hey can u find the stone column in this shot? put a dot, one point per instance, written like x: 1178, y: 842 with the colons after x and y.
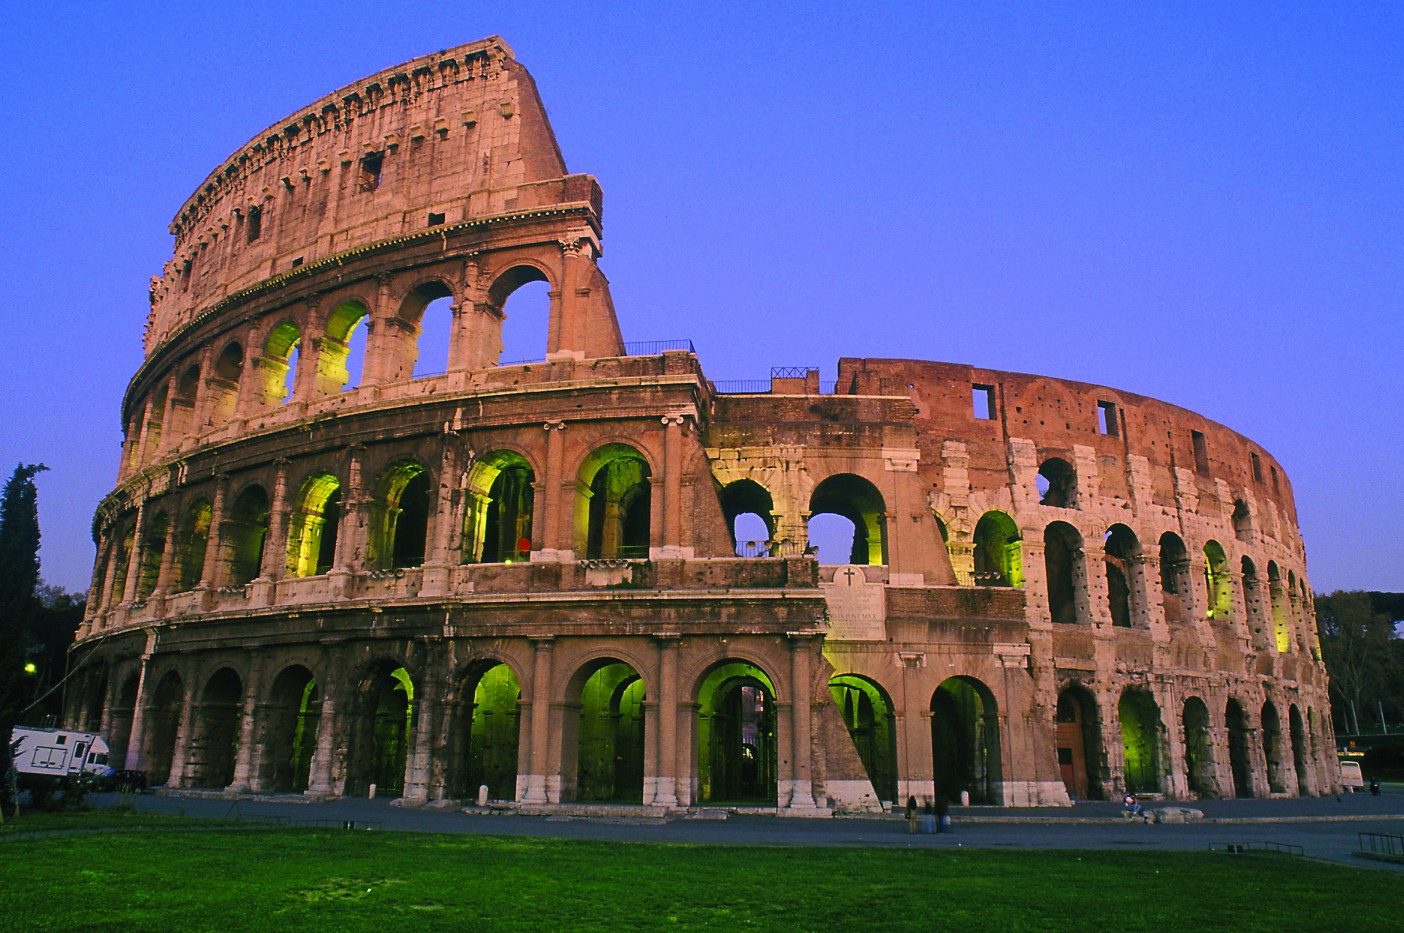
x: 244, y: 755
x: 319, y: 771
x: 185, y: 733
x: 438, y: 565
x: 417, y: 761
x: 136, y: 738
x: 134, y: 555
x: 275, y: 541
x: 801, y: 789
x: 555, y: 517
x: 670, y: 542
x: 351, y: 532
x: 114, y: 546
x: 214, y: 541
x: 665, y: 777
x: 168, y: 552
x: 536, y: 777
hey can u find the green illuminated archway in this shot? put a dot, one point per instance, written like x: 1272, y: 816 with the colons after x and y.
x: 1140, y: 741
x: 610, y: 734
x: 313, y: 527
x: 497, y: 519
x: 290, y: 730
x: 382, y: 731
x: 614, y: 509
x: 867, y: 712
x: 1239, y: 763
x: 965, y: 741
x: 493, y: 736
x: 1216, y: 581
x: 1199, y: 749
x: 400, y: 516
x: 736, y: 740
x: 999, y: 559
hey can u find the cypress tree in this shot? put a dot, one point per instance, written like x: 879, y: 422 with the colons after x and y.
x: 19, y: 583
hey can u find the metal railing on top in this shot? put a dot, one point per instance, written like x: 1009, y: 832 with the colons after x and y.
x: 650, y: 347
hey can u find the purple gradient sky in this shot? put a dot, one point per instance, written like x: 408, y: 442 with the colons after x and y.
x: 1201, y: 203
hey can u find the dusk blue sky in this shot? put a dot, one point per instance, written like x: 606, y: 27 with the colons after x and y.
x: 1203, y: 203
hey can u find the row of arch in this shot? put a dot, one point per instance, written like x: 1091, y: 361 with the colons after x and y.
x: 496, y: 497
x: 998, y: 561
x: 304, y: 355
x: 193, y: 739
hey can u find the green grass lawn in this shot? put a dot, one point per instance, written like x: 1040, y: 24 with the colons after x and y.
x: 161, y: 874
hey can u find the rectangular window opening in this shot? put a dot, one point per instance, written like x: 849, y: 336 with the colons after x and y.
x: 1201, y: 453
x: 1274, y: 478
x: 1106, y: 418
x: 254, y: 223
x: 982, y: 400
x: 297, y: 262
x: 371, y: 164
x: 435, y: 219
x: 1257, y: 467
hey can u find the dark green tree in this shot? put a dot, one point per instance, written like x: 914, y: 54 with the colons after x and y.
x: 19, y: 583
x: 1360, y: 650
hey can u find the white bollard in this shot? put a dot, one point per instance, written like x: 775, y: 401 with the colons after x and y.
x: 965, y: 798
x: 371, y: 794
x: 482, y: 795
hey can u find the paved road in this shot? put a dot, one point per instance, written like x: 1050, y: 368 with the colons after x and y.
x: 1324, y: 828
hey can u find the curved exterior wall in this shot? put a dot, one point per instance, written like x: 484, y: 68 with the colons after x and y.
x: 368, y: 575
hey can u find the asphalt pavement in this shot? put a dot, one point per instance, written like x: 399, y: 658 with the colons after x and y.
x: 1322, y: 827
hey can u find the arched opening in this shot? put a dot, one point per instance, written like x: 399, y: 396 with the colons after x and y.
x: 868, y: 713
x: 1252, y: 599
x: 1242, y: 522
x: 210, y: 758
x: 382, y: 730
x: 342, y: 349
x: 435, y: 330
x: 1293, y: 611
x: 1199, y: 749
x: 609, y: 734
x: 401, y: 516
x: 1300, y: 752
x: 1216, y: 581
x: 153, y: 546
x: 245, y: 532
x: 91, y: 694
x: 223, y: 385
x: 183, y: 403
x: 523, y: 297
x: 119, y: 720
x: 1272, y: 748
x: 999, y: 558
x: 193, y: 541
x: 1277, y: 597
x: 1175, y: 586
x: 156, y: 416
x: 965, y: 741
x: 1140, y: 741
x: 1078, y: 737
x: 497, y: 519
x: 1119, y: 555
x: 856, y: 500
x: 290, y: 731
x: 279, y: 363
x: 1239, y: 762
x: 493, y: 734
x: 312, y: 526
x: 749, y: 512
x: 613, y: 510
x: 736, y: 740
x: 163, y: 725
x: 1057, y: 484
x: 1063, y: 566
x: 122, y: 540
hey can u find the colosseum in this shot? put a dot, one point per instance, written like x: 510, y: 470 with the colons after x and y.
x: 595, y: 577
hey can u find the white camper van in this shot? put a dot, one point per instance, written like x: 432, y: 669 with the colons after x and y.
x: 52, y: 756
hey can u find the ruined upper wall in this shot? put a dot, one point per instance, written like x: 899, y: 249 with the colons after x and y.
x: 1060, y: 414
x: 446, y: 138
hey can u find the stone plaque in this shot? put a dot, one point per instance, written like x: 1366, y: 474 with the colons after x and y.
x: 857, y: 608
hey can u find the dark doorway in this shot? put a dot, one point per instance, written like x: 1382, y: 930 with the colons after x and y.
x: 965, y: 741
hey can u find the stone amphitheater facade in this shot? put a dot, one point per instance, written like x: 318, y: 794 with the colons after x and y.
x: 528, y: 576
